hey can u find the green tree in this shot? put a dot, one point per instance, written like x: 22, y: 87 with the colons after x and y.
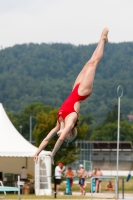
x: 31, y: 110
x: 112, y: 116
x: 15, y: 119
x: 126, y: 131
x: 87, y: 120
x: 108, y: 130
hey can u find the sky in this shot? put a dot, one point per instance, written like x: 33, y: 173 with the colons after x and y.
x: 64, y: 21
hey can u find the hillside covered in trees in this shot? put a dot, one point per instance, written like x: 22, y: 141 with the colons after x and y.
x: 45, y: 73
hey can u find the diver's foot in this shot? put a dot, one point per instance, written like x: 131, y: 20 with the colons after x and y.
x: 104, y: 35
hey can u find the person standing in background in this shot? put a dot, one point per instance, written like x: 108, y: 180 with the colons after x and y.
x: 58, y: 174
x: 96, y: 179
x: 81, y: 175
x: 23, y: 174
x: 99, y: 173
x: 70, y: 174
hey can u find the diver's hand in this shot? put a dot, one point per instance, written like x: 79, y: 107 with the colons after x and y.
x: 36, y: 158
x: 52, y: 160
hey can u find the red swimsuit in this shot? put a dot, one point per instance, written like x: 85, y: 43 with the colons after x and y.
x: 68, y: 105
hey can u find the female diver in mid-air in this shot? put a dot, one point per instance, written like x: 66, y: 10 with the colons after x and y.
x: 68, y: 113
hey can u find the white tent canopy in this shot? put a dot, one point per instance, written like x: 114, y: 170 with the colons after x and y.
x: 12, y: 143
x: 16, y: 151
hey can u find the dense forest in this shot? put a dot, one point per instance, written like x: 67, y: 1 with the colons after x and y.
x: 45, y: 73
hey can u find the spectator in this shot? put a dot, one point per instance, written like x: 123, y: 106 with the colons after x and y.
x: 99, y: 173
x: 96, y: 179
x: 23, y: 174
x: 70, y: 174
x: 81, y: 175
x: 58, y: 174
x: 109, y: 186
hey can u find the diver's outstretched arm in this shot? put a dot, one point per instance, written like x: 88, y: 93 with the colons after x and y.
x: 44, y: 143
x: 59, y: 142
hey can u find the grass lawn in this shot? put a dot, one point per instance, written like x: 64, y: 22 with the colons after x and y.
x: 127, y: 185
x: 31, y: 196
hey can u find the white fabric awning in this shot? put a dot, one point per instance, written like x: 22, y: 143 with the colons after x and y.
x: 12, y: 143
